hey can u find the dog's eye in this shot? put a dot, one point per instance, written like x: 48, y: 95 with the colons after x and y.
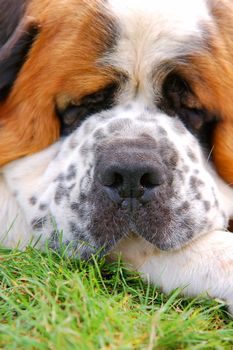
x: 75, y: 113
x: 179, y: 99
x: 177, y: 94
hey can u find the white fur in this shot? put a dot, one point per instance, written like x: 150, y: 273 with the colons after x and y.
x: 13, y: 227
x: 203, y: 266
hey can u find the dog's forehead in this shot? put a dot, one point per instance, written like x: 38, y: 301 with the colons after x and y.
x: 155, y: 32
x: 180, y: 15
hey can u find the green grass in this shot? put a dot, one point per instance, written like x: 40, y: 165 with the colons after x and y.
x: 51, y: 302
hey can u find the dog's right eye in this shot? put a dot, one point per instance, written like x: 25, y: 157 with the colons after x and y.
x: 75, y: 113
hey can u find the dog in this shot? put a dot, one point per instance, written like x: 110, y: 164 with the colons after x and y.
x: 138, y: 94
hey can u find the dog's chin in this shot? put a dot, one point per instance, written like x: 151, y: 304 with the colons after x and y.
x: 162, y: 240
x: 156, y: 239
x: 164, y: 236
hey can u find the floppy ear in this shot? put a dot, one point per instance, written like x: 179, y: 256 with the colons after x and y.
x: 18, y: 36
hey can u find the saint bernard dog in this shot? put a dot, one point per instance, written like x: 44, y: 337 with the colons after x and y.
x: 135, y: 99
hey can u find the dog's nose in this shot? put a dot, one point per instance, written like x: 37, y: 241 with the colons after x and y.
x: 130, y: 174
x: 131, y: 180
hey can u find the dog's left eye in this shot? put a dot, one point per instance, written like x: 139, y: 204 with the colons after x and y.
x: 179, y: 99
x: 177, y: 95
x: 75, y: 113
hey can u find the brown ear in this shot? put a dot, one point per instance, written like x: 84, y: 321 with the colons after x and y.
x: 16, y: 38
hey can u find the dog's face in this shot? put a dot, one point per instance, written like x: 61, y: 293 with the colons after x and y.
x: 135, y: 99
x: 62, y: 55
x: 130, y: 169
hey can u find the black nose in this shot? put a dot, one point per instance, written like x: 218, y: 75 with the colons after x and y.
x: 130, y: 173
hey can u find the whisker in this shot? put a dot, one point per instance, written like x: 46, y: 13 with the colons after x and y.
x: 210, y: 154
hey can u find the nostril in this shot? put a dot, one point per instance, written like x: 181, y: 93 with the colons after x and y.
x: 111, y: 178
x: 151, y: 179
x: 147, y: 181
x: 117, y: 180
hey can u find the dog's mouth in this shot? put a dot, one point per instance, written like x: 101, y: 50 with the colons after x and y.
x: 154, y: 220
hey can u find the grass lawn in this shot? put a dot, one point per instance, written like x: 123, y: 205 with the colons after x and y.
x: 51, y: 302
